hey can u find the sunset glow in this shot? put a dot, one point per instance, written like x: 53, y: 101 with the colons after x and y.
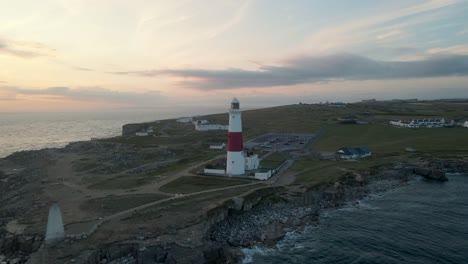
x: 82, y: 54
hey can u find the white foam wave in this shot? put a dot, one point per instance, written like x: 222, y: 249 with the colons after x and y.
x: 249, y: 253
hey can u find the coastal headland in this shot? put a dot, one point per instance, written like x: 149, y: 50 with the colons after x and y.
x: 141, y: 199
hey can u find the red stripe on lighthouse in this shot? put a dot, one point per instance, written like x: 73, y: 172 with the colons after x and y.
x: 235, y: 142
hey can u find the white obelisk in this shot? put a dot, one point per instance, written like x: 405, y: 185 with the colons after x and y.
x: 55, y: 231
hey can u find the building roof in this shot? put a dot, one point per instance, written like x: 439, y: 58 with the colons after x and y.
x: 359, y: 151
x: 235, y: 100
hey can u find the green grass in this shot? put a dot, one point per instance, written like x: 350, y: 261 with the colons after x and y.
x: 190, y: 184
x: 383, y: 139
x: 270, y: 163
x: 277, y: 156
x: 85, y: 165
x: 123, y: 182
x: 327, y: 171
x: 113, y: 204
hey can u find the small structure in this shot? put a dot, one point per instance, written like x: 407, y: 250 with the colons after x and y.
x: 418, y: 123
x: 145, y: 132
x: 337, y: 105
x: 200, y: 122
x: 55, y: 231
x: 218, y: 146
x: 214, y: 171
x: 184, y: 120
x: 141, y: 134
x: 252, y: 162
x: 263, y: 175
x: 208, y: 127
x: 353, y: 153
x: 465, y: 124
x: 348, y: 118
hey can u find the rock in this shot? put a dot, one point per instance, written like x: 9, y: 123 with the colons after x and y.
x: 438, y: 175
x: 421, y: 171
x: 214, y: 253
x: 434, y: 174
x: 25, y: 244
x: 15, y: 261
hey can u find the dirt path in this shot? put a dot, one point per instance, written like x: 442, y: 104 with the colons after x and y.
x: 185, y: 172
x: 140, y: 207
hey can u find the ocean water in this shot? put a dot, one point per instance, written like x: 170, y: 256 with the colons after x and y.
x: 28, y: 131
x: 424, y: 222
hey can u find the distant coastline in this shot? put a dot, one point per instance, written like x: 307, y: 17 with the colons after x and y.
x: 22, y: 131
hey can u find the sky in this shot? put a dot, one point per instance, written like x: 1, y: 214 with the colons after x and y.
x: 61, y: 55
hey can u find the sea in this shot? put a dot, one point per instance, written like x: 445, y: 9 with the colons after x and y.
x: 36, y: 130
x: 424, y: 222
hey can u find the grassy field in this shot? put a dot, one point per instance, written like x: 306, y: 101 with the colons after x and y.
x: 190, y: 184
x: 384, y: 139
x: 270, y: 163
x: 112, y: 204
x: 314, y: 172
x: 309, y: 118
x: 188, y: 205
x: 123, y: 182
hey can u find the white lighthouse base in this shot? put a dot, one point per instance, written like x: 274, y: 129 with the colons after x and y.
x: 235, y: 164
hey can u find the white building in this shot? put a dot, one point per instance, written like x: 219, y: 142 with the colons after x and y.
x: 465, y: 124
x: 200, y: 122
x: 185, y: 120
x: 214, y: 171
x: 208, y: 127
x: 252, y: 162
x: 218, y: 146
x: 145, y: 132
x: 417, y: 123
x: 141, y: 134
x: 263, y: 175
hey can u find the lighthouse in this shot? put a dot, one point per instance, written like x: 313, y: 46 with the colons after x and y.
x: 235, y: 164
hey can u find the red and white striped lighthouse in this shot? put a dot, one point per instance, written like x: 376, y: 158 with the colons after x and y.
x: 235, y: 164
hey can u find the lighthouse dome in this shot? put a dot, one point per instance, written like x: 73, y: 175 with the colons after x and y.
x: 235, y: 103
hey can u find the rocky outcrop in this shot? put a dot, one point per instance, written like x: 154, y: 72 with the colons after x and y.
x: 19, y: 247
x: 131, y: 129
x: 273, y: 216
x: 449, y: 165
x: 133, y: 253
x: 433, y: 174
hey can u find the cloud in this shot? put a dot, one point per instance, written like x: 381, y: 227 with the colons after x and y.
x: 94, y: 94
x: 81, y: 68
x: 459, y: 49
x: 381, y: 25
x: 390, y: 34
x: 235, y: 19
x: 463, y: 32
x: 24, y: 49
x: 303, y: 70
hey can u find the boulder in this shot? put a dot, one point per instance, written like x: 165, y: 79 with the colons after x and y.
x: 433, y: 174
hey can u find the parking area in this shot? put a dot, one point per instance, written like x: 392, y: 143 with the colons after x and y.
x: 279, y: 142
